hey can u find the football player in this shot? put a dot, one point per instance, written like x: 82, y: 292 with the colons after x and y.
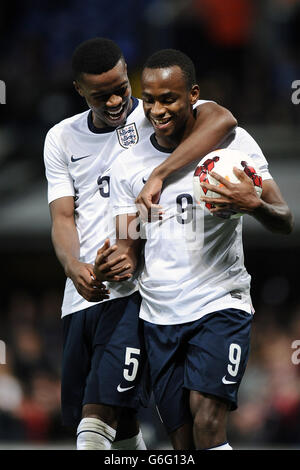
x: 196, y: 306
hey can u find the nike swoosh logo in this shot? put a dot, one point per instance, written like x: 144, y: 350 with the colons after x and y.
x: 73, y: 159
x: 121, y: 389
x: 144, y: 180
x: 227, y: 381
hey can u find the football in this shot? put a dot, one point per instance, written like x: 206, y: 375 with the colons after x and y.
x: 222, y: 162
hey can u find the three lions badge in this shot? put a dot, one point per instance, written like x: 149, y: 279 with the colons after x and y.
x: 128, y: 135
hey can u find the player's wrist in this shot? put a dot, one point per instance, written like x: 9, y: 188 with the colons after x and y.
x: 257, y: 206
x: 160, y: 172
x: 69, y: 266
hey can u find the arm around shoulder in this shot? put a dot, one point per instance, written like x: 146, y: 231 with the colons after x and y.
x: 213, y: 124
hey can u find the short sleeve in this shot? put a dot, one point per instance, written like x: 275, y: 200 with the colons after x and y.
x: 248, y: 145
x: 60, y: 183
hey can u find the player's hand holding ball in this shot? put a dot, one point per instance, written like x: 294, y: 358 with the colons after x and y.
x: 227, y: 184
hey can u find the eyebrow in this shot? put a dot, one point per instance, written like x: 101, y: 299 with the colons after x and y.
x: 99, y: 93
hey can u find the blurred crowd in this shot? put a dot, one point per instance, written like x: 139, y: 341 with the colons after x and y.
x: 30, y: 377
x: 245, y: 51
x: 246, y: 54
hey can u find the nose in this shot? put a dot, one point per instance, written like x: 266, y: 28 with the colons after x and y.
x: 114, y: 101
x: 157, y: 109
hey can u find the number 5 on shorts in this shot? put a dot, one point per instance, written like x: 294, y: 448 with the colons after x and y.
x: 129, y: 360
x: 234, y: 358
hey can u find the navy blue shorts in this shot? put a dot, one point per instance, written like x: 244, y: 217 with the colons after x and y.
x: 103, y: 357
x: 208, y: 355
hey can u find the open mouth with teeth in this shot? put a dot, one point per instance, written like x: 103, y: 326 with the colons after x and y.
x: 116, y: 114
x: 161, y: 124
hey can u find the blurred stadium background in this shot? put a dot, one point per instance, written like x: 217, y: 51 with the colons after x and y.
x: 247, y: 57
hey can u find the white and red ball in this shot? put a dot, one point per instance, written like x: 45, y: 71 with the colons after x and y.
x: 222, y: 162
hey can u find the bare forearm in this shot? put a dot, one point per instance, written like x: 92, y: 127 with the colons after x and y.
x: 276, y: 218
x: 67, y: 247
x: 129, y: 246
x: 66, y: 244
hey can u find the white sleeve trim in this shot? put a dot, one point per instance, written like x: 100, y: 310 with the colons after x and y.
x: 59, y: 193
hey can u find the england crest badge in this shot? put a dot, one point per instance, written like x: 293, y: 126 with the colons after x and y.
x: 128, y: 135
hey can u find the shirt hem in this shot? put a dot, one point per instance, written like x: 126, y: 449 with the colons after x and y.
x: 87, y: 304
x: 197, y: 316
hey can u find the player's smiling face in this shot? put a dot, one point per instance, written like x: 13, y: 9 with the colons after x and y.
x: 167, y: 102
x: 108, y: 95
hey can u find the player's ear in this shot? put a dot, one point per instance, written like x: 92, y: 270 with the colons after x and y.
x: 78, y: 88
x: 194, y: 94
x: 125, y: 65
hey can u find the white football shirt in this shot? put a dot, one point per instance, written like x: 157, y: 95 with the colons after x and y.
x: 77, y: 158
x: 194, y: 262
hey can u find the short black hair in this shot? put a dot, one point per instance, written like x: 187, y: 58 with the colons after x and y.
x: 170, y: 57
x: 96, y: 56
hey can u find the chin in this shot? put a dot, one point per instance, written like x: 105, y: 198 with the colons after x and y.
x: 165, y: 135
x: 118, y: 123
